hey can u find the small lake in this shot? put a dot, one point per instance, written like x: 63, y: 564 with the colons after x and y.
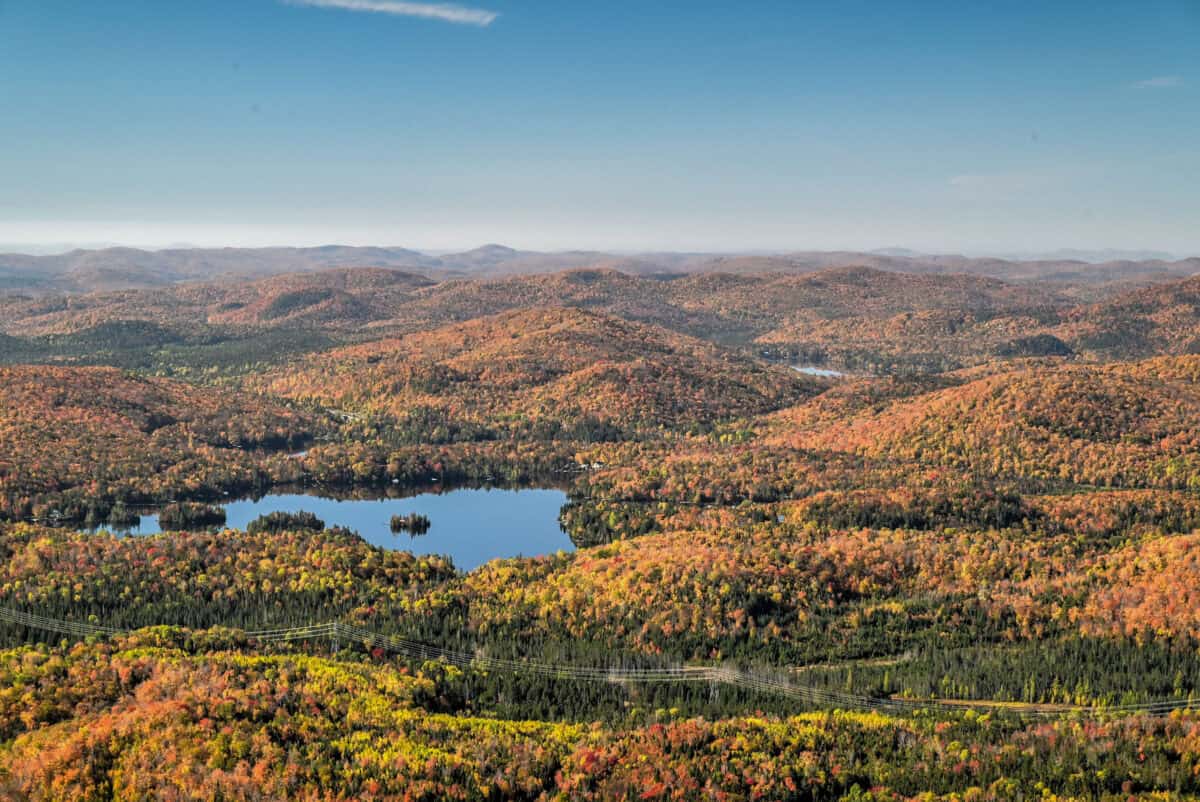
x: 471, y: 526
x: 814, y: 371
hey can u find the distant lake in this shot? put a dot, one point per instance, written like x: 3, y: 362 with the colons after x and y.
x: 471, y: 526
x: 811, y: 371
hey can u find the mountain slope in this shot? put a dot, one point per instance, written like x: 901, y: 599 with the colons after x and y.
x: 561, y: 367
x: 1122, y: 425
x: 331, y: 298
x: 93, y: 433
x: 1163, y: 319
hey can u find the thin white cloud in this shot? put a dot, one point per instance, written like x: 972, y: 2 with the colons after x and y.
x: 445, y: 12
x: 1159, y: 82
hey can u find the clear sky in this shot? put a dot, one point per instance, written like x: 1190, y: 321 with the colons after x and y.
x: 630, y: 124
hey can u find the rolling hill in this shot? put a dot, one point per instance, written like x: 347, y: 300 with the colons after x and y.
x: 86, y: 435
x: 1163, y: 319
x: 331, y: 298
x: 554, y: 367
x: 851, y: 318
x: 1118, y: 425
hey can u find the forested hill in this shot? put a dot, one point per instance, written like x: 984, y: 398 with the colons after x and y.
x: 850, y: 318
x: 74, y: 441
x: 550, y: 369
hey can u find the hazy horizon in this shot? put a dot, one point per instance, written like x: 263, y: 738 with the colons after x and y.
x: 1064, y: 253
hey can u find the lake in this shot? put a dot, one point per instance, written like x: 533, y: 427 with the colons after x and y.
x: 471, y: 526
x: 814, y: 371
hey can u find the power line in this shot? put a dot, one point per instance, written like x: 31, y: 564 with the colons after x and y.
x: 758, y: 682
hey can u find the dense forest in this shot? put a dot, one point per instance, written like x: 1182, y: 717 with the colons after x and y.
x: 853, y: 318
x: 963, y: 561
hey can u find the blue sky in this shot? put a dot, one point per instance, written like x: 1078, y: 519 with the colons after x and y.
x: 949, y: 126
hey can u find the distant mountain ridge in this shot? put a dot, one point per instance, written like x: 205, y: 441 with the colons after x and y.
x: 104, y: 269
x: 1093, y: 256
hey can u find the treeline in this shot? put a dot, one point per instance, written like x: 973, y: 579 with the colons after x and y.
x: 1065, y: 670
x: 201, y: 579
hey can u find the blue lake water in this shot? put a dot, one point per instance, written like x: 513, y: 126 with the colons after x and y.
x: 471, y: 526
x: 813, y: 371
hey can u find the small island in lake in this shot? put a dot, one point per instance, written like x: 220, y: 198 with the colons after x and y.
x: 281, y: 521
x: 414, y: 523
